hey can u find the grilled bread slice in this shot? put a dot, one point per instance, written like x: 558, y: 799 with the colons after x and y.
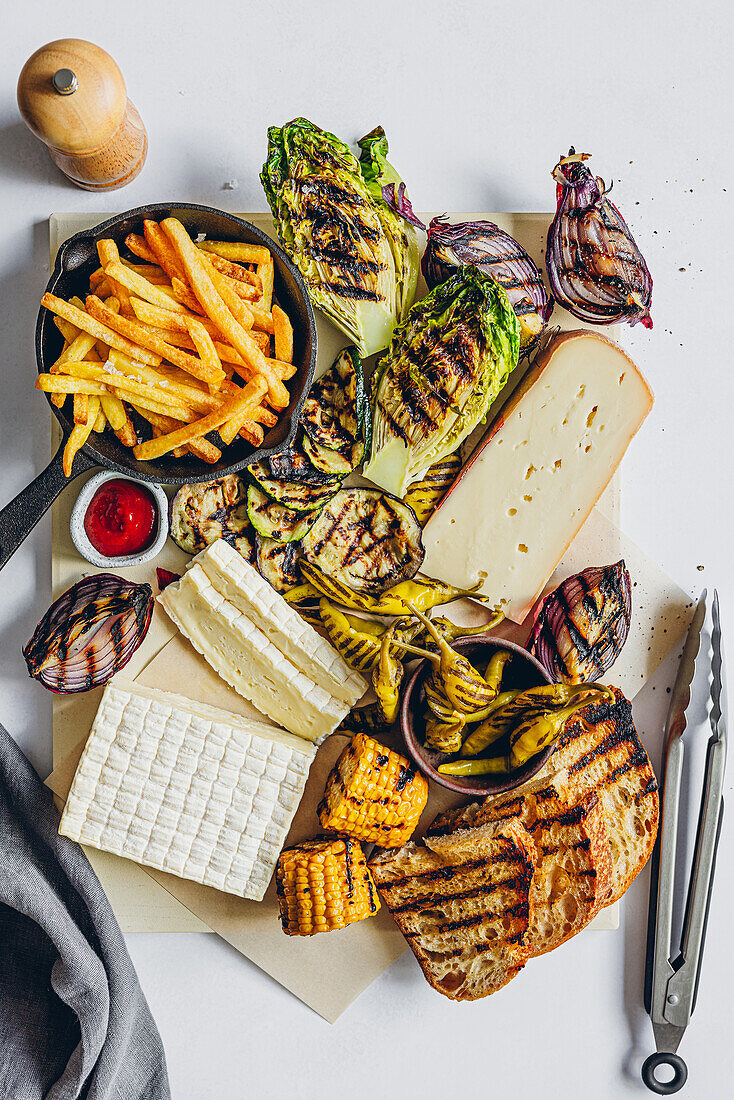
x: 573, y: 871
x: 601, y: 752
x: 463, y: 903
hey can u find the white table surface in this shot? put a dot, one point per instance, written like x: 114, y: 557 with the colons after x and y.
x: 478, y: 101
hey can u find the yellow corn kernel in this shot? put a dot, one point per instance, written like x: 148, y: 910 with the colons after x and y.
x: 373, y: 794
x: 323, y: 885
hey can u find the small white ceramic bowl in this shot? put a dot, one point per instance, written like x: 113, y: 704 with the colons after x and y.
x: 79, y: 535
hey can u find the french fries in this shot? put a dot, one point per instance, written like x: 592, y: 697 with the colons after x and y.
x: 164, y: 333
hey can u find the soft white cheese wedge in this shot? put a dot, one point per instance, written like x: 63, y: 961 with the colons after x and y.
x: 187, y: 788
x: 241, y: 584
x: 534, y: 479
x: 247, y: 660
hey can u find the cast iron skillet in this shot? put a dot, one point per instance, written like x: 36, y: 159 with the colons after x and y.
x: 76, y: 260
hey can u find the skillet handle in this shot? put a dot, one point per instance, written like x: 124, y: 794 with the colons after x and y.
x: 18, y: 518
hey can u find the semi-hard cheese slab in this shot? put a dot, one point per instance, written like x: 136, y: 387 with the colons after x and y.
x: 533, y: 480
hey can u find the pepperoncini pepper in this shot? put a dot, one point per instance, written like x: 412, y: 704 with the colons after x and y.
x: 535, y: 734
x: 526, y: 704
x: 359, y: 640
x: 487, y: 733
x: 464, y: 687
x: 488, y: 765
x: 496, y: 668
x: 444, y: 736
x: 387, y: 676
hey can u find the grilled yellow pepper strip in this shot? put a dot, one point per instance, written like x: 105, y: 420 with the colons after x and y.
x: 424, y: 495
x: 535, y: 734
x: 444, y: 736
x: 465, y: 688
x: 305, y: 600
x: 367, y: 719
x: 496, y: 668
x: 488, y: 765
x: 387, y: 676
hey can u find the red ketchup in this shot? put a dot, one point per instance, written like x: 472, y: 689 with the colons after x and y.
x: 121, y: 518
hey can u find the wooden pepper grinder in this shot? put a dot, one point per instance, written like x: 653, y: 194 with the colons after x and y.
x: 72, y: 96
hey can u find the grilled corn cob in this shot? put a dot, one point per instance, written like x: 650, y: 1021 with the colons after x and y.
x: 373, y: 794
x: 323, y: 885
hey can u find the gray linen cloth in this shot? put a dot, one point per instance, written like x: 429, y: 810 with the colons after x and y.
x: 73, y: 1020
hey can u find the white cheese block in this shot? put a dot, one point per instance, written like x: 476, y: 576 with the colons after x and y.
x: 187, y: 788
x: 247, y: 660
x: 537, y: 474
x: 241, y: 584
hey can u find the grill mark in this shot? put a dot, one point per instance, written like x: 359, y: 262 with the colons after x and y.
x: 345, y: 290
x: 431, y: 901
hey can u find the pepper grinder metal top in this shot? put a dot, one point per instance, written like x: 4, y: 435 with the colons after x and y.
x: 72, y: 96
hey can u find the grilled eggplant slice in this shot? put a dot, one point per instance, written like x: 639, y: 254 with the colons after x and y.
x: 336, y: 414
x: 366, y: 539
x: 277, y: 562
x: 273, y: 520
x: 297, y: 496
x: 201, y: 514
x: 326, y: 461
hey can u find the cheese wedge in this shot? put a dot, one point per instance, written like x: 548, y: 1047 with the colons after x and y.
x: 247, y: 660
x: 535, y: 477
x: 245, y: 589
x: 187, y: 788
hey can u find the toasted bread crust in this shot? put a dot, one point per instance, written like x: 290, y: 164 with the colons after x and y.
x: 463, y: 903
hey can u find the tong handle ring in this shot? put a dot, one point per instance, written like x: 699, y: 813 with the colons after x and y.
x: 664, y: 1088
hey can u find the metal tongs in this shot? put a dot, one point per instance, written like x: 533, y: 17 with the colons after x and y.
x: 697, y: 709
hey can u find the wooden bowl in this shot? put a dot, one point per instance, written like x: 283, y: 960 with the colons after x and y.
x: 522, y: 672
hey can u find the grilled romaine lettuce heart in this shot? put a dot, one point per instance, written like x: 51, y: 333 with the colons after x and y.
x: 277, y: 562
x: 366, y: 539
x: 298, y: 496
x: 332, y: 229
x: 336, y: 414
x: 273, y: 520
x: 200, y: 514
x: 445, y: 366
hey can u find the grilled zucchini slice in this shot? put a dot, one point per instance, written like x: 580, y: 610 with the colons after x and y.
x: 277, y: 562
x: 331, y: 462
x: 298, y: 496
x: 273, y: 521
x: 201, y: 514
x: 336, y: 414
x: 367, y: 539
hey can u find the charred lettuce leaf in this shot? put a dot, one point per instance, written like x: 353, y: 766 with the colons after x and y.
x: 445, y: 366
x: 334, y: 231
x: 395, y: 213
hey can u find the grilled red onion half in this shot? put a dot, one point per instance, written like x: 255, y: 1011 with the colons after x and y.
x: 89, y: 633
x: 486, y: 246
x: 596, y: 270
x: 580, y: 628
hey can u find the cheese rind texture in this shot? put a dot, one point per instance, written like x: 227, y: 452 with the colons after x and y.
x: 247, y: 660
x: 241, y: 584
x: 187, y: 788
x: 533, y: 482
